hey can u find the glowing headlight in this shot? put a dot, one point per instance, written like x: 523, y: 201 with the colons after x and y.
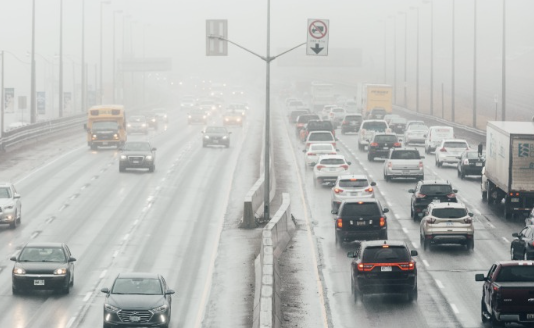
x: 94, y: 136
x: 206, y: 137
x: 61, y: 271
x: 204, y: 116
x: 123, y: 157
x: 160, y: 309
x: 111, y: 308
x: 226, y: 119
x: 239, y: 120
x: 129, y: 125
x: 189, y: 116
x: 148, y: 158
x: 19, y: 271
x: 164, y: 116
x: 115, y: 136
x: 143, y: 125
x: 224, y: 137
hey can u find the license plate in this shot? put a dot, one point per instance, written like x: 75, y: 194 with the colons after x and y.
x: 215, y: 141
x: 38, y: 282
x: 478, y: 164
x: 386, y: 269
x: 515, y: 200
x: 449, y: 223
x: 385, y: 147
x: 355, y: 194
x: 332, y: 169
x: 530, y: 316
x: 360, y: 223
x: 436, y: 200
x: 135, y: 318
x: 104, y: 144
x: 135, y: 162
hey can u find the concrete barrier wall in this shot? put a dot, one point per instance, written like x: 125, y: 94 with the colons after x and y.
x: 275, y: 237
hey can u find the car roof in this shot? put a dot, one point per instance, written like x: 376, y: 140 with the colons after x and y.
x: 322, y: 144
x: 365, y: 121
x: 448, y: 205
x: 44, y: 244
x: 361, y: 200
x: 385, y: 134
x: 368, y: 243
x: 317, y: 132
x: 454, y: 140
x: 515, y: 263
x: 138, y: 275
x: 437, y: 182
x: 353, y: 176
x: 8, y: 184
x: 331, y: 156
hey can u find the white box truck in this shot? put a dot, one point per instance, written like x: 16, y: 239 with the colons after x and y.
x: 510, y: 166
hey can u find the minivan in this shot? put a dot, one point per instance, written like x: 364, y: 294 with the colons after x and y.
x: 435, y: 135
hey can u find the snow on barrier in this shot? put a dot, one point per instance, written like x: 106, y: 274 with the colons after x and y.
x: 275, y: 237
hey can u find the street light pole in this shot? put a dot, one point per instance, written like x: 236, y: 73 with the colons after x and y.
x: 83, y: 57
x: 395, y: 59
x: 475, y: 65
x: 431, y: 55
x: 101, y: 91
x: 405, y: 52
x: 266, y: 166
x: 453, y: 64
x: 503, y: 102
x: 32, y: 88
x: 60, y: 58
x: 2, y: 106
x: 114, y: 58
x: 385, y: 49
x: 417, y: 65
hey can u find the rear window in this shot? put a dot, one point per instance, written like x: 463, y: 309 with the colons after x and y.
x: 405, y: 154
x: 455, y: 144
x: 398, y: 120
x: 306, y: 118
x: 391, y: 254
x: 338, y: 110
x: 325, y: 125
x: 332, y: 161
x: 436, y: 189
x: 321, y: 147
x: 363, y: 209
x: 418, y: 127
x: 378, y: 111
x: 321, y: 137
x: 516, y: 274
x: 354, y: 183
x: 449, y: 213
x: 387, y: 138
x: 353, y: 118
x: 375, y: 126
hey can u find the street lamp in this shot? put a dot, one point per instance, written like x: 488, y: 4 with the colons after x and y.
x: 453, y: 64
x: 475, y: 65
x: 503, y: 111
x: 405, y: 50
x: 83, y: 58
x: 101, y: 91
x: 115, y: 12
x: 431, y: 55
x: 60, y: 58
x: 32, y: 88
x: 394, y: 59
x: 2, y: 95
x: 417, y: 64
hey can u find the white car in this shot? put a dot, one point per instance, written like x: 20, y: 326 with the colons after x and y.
x: 435, y: 135
x: 316, y: 137
x: 415, y: 133
x: 368, y: 130
x: 336, y: 115
x: 314, y: 151
x: 449, y: 151
x: 10, y: 205
x: 326, y: 111
x: 350, y: 186
x: 328, y: 168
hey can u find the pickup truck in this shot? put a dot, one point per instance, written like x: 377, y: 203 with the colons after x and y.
x: 508, y: 293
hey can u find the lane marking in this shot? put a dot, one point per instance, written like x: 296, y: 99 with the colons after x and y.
x: 397, y: 216
x: 405, y: 230
x: 506, y: 240
x: 425, y: 262
x: 455, y: 309
x: 491, y: 225
x: 126, y: 237
x: 440, y: 285
x: 87, y: 296
x: 70, y: 322
x: 103, y: 274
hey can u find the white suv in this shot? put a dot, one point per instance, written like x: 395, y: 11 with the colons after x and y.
x: 450, y: 150
x: 328, y: 168
x: 368, y: 130
x: 10, y: 205
x: 351, y: 186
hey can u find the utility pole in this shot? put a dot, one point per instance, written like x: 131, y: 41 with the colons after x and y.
x: 83, y: 58
x: 33, y: 117
x: 60, y: 58
x: 453, y: 64
x: 503, y: 102
x: 475, y: 66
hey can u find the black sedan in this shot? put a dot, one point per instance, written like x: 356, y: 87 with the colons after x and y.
x: 137, y: 300
x: 471, y: 163
x: 137, y: 154
x: 216, y: 135
x: 43, y: 266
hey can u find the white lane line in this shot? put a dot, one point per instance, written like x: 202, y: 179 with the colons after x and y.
x: 491, y: 225
x: 87, y: 296
x: 440, y: 285
x: 115, y: 254
x: 425, y: 262
x: 415, y: 245
x: 477, y: 212
x: 33, y: 235
x: 405, y: 230
x: 126, y: 237
x: 455, y: 309
x: 397, y: 216
x: 71, y: 321
x: 135, y: 222
x: 506, y: 240
x: 103, y: 274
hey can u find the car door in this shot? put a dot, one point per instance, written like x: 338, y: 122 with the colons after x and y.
x: 69, y: 263
x: 487, y: 286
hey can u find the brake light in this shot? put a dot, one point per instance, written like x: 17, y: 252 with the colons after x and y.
x: 344, y: 122
x: 432, y: 220
x: 365, y: 267
x: 420, y: 165
x: 468, y: 220
x: 339, y: 223
x: 308, y: 144
x: 390, y: 165
x: 451, y: 196
x: 466, y: 161
x: 364, y: 131
x: 397, y: 144
x: 420, y: 195
x: 345, y: 166
x: 370, y: 189
x: 337, y: 190
x: 407, y: 266
x: 443, y: 149
x: 319, y: 167
x: 311, y: 154
x: 514, y: 194
x: 360, y: 266
x: 382, y: 222
x: 374, y: 144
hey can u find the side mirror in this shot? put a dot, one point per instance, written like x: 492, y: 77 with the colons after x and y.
x: 480, y: 277
x: 373, y: 184
x: 350, y: 163
x: 13, y: 258
x: 337, y: 149
x: 351, y: 255
x: 413, y: 252
x: 333, y: 211
x: 154, y: 149
x: 16, y: 196
x: 105, y: 290
x: 72, y: 259
x: 480, y: 147
x: 515, y: 234
x: 169, y: 292
x: 385, y: 210
x: 470, y: 214
x: 411, y: 191
x: 313, y: 163
x: 455, y: 190
x: 304, y: 150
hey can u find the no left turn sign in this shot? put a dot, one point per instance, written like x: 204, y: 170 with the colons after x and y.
x: 317, y: 44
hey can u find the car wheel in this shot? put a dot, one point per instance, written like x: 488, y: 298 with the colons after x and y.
x: 512, y: 256
x: 426, y: 244
x: 525, y: 256
x: 387, y: 178
x: 357, y: 295
x: 19, y: 219
x: 414, y: 215
x: 122, y: 168
x: 339, y: 242
x: 65, y: 290
x: 495, y: 322
x: 483, y: 311
x: 152, y: 168
x: 470, y: 244
x: 370, y: 157
x: 412, y: 295
x: 462, y: 175
x: 15, y: 291
x: 383, y: 235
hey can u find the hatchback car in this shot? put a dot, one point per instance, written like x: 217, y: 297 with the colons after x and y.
x: 397, y: 125
x: 360, y: 219
x: 232, y: 117
x: 415, y: 133
x: 449, y: 150
x: 320, y: 137
x: 447, y: 223
x: 314, y: 151
x: 216, y: 136
x: 351, y: 186
x: 380, y: 145
x: 137, y: 124
x: 404, y: 163
x: 428, y: 191
x: 471, y: 163
x: 522, y: 247
x: 302, y: 120
x: 351, y: 123
x: 294, y: 114
x: 315, y: 125
x: 383, y: 267
x: 368, y: 129
x: 137, y: 155
x: 328, y: 168
x: 43, y: 266
x: 10, y: 205
x: 138, y: 300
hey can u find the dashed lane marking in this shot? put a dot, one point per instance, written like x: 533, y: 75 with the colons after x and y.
x: 425, y: 262
x: 103, y: 274
x: 506, y: 240
x: 455, y: 309
x: 87, y: 297
x: 440, y: 285
x: 405, y: 230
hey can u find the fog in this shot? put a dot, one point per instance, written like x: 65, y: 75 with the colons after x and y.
x: 177, y: 30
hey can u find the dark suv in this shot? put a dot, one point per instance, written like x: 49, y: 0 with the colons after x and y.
x: 428, y: 191
x: 377, y: 114
x: 302, y: 120
x: 351, y: 123
x: 380, y: 145
x: 360, y: 219
x: 383, y: 267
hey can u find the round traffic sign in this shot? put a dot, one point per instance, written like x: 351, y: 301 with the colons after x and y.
x: 318, y: 29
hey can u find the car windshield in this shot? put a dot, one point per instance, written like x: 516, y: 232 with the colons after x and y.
x: 137, y: 119
x: 104, y: 125
x: 386, y: 138
x: 320, y: 137
x: 321, y: 148
x: 375, y: 126
x: 353, y: 183
x: 332, y: 161
x: 455, y: 144
x: 405, y: 154
x: 5, y: 192
x: 381, y: 254
x: 524, y: 273
x: 449, y: 213
x: 138, y: 286
x: 326, y: 125
x: 307, y: 118
x: 338, y: 110
x: 215, y: 129
x: 42, y: 254
x: 418, y: 127
x: 353, y: 118
x: 136, y: 146
x: 361, y: 209
x: 436, y: 189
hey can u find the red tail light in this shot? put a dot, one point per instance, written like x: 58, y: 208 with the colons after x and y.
x: 451, y: 196
x: 421, y: 165
x: 319, y: 167
x: 332, y: 153
x: 344, y: 122
x: 308, y: 144
x: 397, y: 144
x: 360, y: 266
x: 466, y: 161
x: 334, y: 144
x: 407, y: 266
x: 432, y: 220
x: 339, y: 223
x: 443, y: 149
x: 374, y: 144
x: 311, y: 154
x: 337, y: 190
x: 420, y: 195
x: 345, y: 166
x: 382, y: 222
x: 514, y: 194
x: 390, y: 165
x: 370, y: 189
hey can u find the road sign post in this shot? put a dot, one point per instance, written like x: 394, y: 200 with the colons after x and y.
x: 216, y: 35
x: 318, y: 31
